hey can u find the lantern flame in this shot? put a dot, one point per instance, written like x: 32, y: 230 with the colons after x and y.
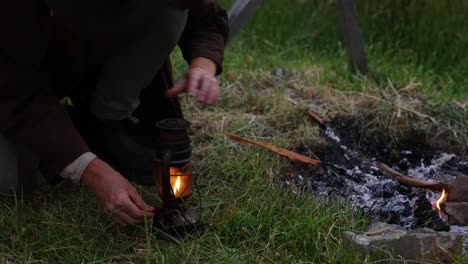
x: 441, y: 200
x: 176, y: 187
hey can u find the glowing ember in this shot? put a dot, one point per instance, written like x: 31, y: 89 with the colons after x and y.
x: 441, y: 200
x: 176, y: 187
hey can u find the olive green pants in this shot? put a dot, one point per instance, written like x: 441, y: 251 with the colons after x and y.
x: 142, y: 34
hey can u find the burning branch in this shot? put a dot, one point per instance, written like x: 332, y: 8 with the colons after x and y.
x: 412, y: 182
x: 284, y: 152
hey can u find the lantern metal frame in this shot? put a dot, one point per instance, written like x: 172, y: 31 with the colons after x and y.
x: 175, y: 220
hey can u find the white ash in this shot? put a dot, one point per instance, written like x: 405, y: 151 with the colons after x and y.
x: 356, y: 178
x: 331, y: 134
x: 422, y: 171
x: 406, y: 152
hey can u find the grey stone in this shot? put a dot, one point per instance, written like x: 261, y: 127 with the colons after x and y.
x: 457, y: 213
x: 422, y: 245
x: 458, y: 190
x: 456, y: 206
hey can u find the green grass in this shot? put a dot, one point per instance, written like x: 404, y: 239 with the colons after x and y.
x: 405, y: 40
x: 250, y: 217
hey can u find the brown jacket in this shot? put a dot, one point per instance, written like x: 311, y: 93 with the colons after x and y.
x: 39, y: 64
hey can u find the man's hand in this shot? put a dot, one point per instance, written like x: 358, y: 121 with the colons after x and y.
x: 117, y: 197
x: 199, y: 82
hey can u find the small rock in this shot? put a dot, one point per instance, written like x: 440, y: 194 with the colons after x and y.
x: 279, y: 72
x: 234, y: 146
x: 458, y: 191
x: 290, y: 93
x: 421, y: 245
x: 462, y: 104
x: 457, y: 213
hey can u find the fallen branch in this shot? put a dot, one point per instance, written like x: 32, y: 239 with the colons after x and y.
x: 412, y: 182
x: 284, y: 152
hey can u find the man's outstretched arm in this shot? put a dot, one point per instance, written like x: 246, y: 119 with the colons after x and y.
x: 206, y: 33
x: 202, y: 45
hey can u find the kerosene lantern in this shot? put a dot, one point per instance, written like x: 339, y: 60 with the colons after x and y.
x: 174, y: 180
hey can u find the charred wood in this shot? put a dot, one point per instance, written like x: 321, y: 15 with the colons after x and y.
x: 412, y: 182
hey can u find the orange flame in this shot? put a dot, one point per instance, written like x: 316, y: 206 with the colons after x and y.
x: 176, y: 187
x: 441, y: 200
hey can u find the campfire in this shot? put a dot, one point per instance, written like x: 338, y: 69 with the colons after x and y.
x: 409, y: 202
x: 454, y: 202
x: 433, y: 194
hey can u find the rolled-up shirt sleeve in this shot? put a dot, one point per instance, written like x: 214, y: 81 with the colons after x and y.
x: 206, y: 33
x: 75, y: 170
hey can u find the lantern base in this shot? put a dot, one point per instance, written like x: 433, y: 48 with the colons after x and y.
x: 180, y: 223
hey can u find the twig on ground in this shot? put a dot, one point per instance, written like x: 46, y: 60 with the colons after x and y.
x: 316, y: 117
x: 292, y: 101
x: 284, y: 152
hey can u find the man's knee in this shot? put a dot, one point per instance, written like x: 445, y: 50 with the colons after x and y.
x: 19, y: 170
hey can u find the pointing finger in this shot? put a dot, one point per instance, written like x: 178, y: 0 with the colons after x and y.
x: 193, y: 82
x: 204, y: 89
